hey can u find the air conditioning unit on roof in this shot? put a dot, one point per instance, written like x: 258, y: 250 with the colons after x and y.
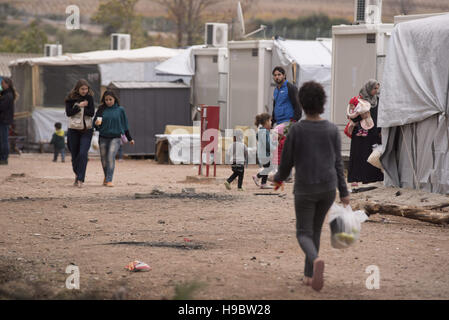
x: 120, y: 41
x: 367, y: 11
x: 52, y: 50
x: 216, y: 34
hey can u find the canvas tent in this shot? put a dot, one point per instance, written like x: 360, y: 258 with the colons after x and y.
x: 44, y: 82
x: 413, y: 108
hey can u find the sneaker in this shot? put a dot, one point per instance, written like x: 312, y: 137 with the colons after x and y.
x: 227, y: 185
x: 256, y: 181
x: 264, y: 186
x: 240, y: 189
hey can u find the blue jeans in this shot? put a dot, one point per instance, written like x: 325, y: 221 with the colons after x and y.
x: 78, y: 143
x: 120, y: 152
x: 4, y: 143
x: 57, y: 152
x: 108, y: 150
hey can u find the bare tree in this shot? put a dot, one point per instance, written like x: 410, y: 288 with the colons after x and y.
x: 176, y: 12
x: 229, y: 14
x: 187, y: 16
x: 195, y: 10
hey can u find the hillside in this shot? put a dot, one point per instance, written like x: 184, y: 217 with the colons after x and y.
x: 264, y: 9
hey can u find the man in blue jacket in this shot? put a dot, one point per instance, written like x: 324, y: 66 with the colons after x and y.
x: 285, y: 99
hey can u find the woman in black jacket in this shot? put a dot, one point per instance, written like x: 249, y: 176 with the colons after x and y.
x: 7, y: 98
x: 79, y: 107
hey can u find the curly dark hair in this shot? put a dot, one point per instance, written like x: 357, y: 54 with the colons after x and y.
x: 312, y: 98
x: 262, y: 118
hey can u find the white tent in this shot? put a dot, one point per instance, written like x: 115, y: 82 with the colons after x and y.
x: 116, y: 65
x: 182, y: 64
x: 413, y: 108
x: 105, y: 56
x: 313, y: 59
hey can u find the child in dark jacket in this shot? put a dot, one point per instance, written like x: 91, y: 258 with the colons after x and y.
x: 58, y: 142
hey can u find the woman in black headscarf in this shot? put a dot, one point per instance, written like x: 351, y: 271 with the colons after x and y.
x: 359, y: 170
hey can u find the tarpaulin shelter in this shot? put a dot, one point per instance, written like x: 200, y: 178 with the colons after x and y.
x: 413, y: 108
x: 43, y: 83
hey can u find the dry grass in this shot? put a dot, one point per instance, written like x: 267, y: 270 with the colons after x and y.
x: 266, y: 9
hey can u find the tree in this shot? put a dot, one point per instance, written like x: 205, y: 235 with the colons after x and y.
x: 120, y: 16
x: 188, y: 17
x: 30, y: 40
x: 230, y: 15
x: 195, y: 9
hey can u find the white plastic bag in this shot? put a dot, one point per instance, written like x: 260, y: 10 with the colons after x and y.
x: 374, y: 158
x: 345, y: 225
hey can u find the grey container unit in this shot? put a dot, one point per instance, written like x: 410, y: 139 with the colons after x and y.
x: 250, y: 91
x: 150, y: 106
x: 210, y: 82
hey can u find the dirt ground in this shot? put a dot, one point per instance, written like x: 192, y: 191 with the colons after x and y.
x: 211, y: 244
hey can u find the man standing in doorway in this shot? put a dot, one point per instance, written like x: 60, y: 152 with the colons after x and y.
x: 285, y: 99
